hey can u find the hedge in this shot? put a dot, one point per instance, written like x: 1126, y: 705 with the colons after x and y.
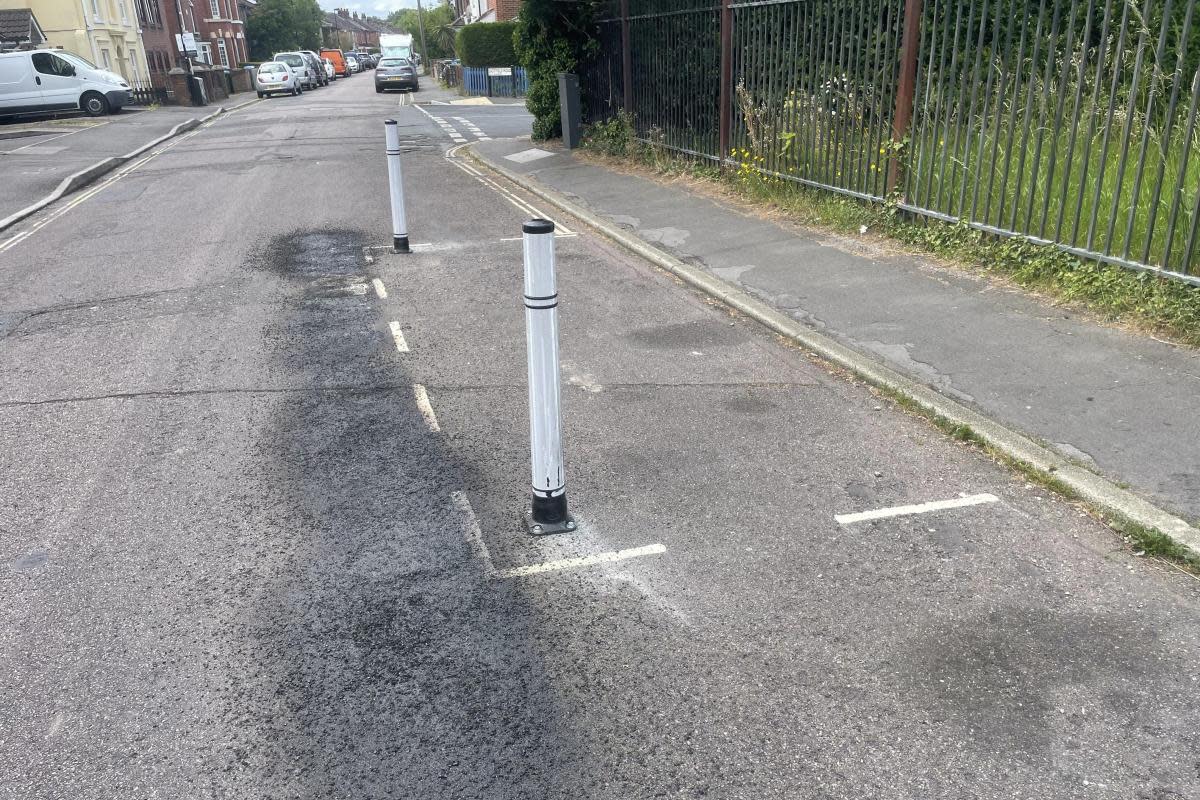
x: 486, y: 44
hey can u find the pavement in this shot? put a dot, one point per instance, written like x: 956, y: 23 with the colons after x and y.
x: 1108, y: 399
x: 259, y: 534
x: 33, y: 165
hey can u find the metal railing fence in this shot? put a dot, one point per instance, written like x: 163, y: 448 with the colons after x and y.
x: 147, y: 95
x: 1071, y: 123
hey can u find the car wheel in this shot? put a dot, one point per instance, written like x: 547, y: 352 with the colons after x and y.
x: 260, y: 95
x: 94, y: 104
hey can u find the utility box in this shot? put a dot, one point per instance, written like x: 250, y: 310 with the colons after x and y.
x: 568, y: 104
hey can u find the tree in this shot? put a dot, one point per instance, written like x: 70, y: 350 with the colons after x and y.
x: 439, y: 32
x: 279, y: 25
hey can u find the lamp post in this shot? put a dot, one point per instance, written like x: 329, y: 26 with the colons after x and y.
x: 421, y: 29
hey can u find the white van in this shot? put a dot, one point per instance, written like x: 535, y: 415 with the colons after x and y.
x: 37, y: 81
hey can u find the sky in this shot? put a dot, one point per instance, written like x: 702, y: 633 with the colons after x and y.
x: 374, y: 8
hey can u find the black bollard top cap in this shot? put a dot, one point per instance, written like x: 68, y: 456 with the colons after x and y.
x: 538, y: 226
x: 389, y: 122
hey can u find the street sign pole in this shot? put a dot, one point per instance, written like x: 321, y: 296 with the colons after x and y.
x: 548, y: 509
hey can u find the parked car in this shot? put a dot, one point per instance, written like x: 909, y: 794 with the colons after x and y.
x: 274, y: 77
x: 330, y: 72
x: 353, y: 62
x: 298, y: 64
x: 35, y: 81
x: 317, y: 66
x: 339, y: 61
x: 367, y: 60
x: 396, y: 73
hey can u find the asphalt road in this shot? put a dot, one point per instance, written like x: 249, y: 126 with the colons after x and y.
x: 36, y: 154
x: 245, y: 556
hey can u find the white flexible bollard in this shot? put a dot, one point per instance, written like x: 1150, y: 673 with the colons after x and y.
x: 396, y: 184
x: 548, y: 511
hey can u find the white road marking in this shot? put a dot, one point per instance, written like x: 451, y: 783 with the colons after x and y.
x: 524, y: 207
x: 425, y: 408
x: 473, y: 534
x: 380, y: 289
x: 921, y: 508
x: 398, y: 338
x: 584, y: 561
x: 59, y: 136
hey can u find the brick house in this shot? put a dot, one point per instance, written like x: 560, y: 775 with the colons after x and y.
x: 468, y: 11
x: 159, y: 40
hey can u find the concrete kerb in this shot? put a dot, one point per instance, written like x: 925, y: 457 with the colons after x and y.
x: 1100, y: 493
x: 88, y: 175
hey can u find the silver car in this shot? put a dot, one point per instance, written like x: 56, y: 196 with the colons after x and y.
x: 298, y: 64
x: 275, y: 77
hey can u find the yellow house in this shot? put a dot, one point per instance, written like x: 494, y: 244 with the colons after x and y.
x: 105, y: 32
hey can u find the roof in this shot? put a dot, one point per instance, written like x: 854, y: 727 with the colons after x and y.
x: 369, y: 24
x: 18, y: 25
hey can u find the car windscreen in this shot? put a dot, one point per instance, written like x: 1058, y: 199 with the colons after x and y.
x: 78, y: 61
x: 293, y: 60
x: 393, y: 62
x: 272, y: 68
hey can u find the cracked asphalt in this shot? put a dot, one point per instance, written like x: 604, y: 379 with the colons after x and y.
x: 237, y: 561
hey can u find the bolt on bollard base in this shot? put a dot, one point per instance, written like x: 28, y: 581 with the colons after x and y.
x: 548, y: 509
x: 396, y: 187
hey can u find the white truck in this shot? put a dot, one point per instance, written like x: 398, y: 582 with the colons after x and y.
x: 396, y: 45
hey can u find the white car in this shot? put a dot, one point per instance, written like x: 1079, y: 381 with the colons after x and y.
x: 38, y: 81
x: 298, y: 64
x: 329, y: 70
x: 276, y: 76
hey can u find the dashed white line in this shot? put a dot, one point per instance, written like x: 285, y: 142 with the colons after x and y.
x: 426, y: 408
x: 474, y: 535
x: 380, y: 289
x: 401, y: 344
x: 583, y: 561
x: 921, y: 508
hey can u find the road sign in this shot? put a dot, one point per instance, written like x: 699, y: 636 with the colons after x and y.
x: 499, y: 72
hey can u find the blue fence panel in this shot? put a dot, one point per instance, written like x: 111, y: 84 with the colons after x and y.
x: 476, y: 81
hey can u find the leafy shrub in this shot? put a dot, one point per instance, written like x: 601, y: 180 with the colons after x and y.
x: 551, y: 37
x: 487, y: 44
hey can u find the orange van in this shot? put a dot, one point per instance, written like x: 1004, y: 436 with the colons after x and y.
x: 338, y: 60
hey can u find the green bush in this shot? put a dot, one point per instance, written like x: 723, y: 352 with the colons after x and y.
x: 551, y: 37
x: 486, y: 44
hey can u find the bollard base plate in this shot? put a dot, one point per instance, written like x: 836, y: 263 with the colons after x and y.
x: 546, y: 528
x: 400, y: 244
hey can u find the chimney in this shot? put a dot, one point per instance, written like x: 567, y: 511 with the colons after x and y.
x: 343, y: 12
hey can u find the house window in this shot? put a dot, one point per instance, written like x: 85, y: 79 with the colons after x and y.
x: 215, y: 7
x: 106, y: 59
x: 96, y: 9
x: 222, y: 52
x: 121, y: 9
x: 205, y: 52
